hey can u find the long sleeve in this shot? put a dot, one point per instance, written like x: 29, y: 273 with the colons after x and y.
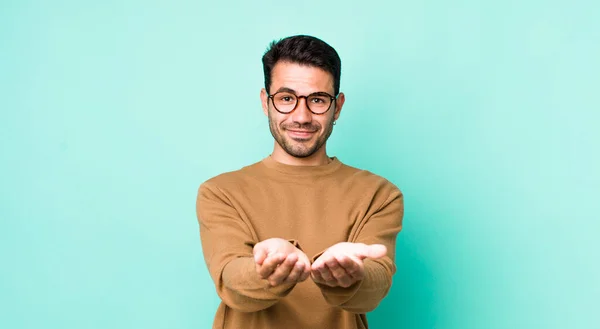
x: 227, y: 242
x: 380, y: 227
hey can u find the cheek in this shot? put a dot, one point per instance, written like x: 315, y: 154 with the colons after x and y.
x: 276, y: 119
x: 325, y: 123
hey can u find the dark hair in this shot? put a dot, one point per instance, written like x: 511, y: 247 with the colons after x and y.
x: 306, y: 50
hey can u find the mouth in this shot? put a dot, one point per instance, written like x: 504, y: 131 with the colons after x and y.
x: 300, y: 134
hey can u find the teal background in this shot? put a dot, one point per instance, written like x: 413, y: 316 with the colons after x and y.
x: 484, y: 113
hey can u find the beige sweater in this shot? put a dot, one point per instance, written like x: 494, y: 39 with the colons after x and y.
x: 314, y: 207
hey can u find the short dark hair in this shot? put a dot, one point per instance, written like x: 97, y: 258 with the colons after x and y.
x: 306, y: 50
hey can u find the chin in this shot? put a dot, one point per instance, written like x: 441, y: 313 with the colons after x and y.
x: 301, y: 155
x: 300, y: 150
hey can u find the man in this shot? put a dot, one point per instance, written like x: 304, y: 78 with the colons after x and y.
x: 299, y: 239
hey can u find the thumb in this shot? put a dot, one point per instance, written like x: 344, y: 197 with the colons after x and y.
x: 373, y: 251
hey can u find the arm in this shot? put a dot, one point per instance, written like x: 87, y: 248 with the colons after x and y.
x: 227, y: 245
x: 357, y: 276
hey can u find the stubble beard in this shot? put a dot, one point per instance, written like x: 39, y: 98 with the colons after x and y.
x: 299, y: 149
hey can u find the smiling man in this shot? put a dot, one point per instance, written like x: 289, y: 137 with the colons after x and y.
x: 299, y: 239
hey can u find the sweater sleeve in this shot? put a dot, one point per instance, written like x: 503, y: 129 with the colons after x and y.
x: 381, y: 227
x: 227, y: 243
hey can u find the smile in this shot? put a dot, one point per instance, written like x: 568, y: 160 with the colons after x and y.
x: 303, y: 134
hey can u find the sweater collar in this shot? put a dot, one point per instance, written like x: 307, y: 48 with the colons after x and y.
x: 287, y: 169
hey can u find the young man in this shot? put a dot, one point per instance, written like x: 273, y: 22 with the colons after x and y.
x: 299, y: 239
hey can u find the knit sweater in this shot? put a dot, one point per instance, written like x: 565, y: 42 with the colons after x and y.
x: 314, y: 207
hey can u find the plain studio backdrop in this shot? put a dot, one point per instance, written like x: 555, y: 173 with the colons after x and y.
x: 484, y: 113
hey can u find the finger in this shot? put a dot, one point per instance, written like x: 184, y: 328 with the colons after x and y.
x: 306, y: 267
x: 296, y: 273
x: 346, y: 281
x: 316, y: 276
x: 283, y: 270
x: 333, y: 282
x: 337, y: 271
x: 304, y: 275
x: 372, y: 251
x: 353, y: 267
x: 259, y: 256
x: 281, y: 273
x: 321, y: 266
x: 326, y: 273
x: 270, y: 264
x: 377, y: 251
x: 305, y: 272
x: 340, y: 277
x: 317, y: 264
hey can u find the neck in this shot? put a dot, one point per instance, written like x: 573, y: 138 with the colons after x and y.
x: 316, y: 159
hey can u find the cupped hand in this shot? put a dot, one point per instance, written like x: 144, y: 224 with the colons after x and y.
x: 341, y: 265
x: 280, y: 262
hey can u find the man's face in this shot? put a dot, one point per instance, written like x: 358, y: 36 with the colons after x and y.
x: 301, y: 133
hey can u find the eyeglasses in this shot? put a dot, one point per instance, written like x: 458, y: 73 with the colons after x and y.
x: 318, y: 103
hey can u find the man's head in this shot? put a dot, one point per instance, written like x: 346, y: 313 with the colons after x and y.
x: 295, y: 67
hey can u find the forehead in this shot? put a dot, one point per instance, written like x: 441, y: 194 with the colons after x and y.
x: 301, y: 78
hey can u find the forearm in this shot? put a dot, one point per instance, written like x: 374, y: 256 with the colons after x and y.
x: 365, y: 295
x: 241, y: 287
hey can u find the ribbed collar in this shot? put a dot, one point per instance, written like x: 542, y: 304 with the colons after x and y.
x: 318, y: 170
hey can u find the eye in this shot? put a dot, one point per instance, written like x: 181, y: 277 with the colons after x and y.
x: 318, y: 100
x: 285, y: 98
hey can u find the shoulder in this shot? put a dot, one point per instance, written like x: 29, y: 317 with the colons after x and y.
x: 367, y: 179
x: 232, y: 180
x: 370, y: 188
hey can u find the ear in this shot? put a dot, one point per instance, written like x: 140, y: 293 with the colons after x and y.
x: 265, y: 101
x: 339, y: 102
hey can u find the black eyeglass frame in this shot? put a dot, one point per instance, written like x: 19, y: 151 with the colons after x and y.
x: 333, y: 100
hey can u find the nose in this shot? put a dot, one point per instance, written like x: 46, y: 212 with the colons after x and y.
x: 301, y: 114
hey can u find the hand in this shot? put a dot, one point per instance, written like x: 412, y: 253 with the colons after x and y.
x: 278, y: 261
x: 342, y: 264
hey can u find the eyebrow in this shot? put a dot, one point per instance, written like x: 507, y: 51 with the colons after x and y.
x: 289, y: 90
x: 285, y: 89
